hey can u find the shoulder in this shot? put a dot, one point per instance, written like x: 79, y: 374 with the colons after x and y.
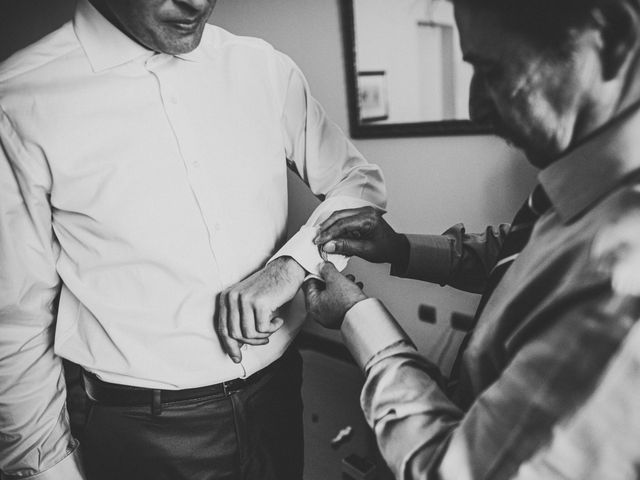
x: 218, y: 41
x: 218, y: 38
x: 31, y: 60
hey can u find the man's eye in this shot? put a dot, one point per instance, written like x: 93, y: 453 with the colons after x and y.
x: 489, y: 72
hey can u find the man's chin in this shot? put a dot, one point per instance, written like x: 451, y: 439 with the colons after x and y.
x: 537, y: 158
x: 179, y: 43
x: 534, y: 156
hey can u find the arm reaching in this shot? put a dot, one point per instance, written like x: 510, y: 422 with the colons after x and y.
x: 457, y: 258
x: 421, y: 432
x: 364, y: 233
x: 322, y: 156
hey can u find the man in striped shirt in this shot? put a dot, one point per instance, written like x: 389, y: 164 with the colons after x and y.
x: 559, y: 79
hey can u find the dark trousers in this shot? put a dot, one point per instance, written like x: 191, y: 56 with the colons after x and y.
x: 251, y: 434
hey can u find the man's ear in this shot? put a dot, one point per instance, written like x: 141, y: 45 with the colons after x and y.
x: 619, y: 24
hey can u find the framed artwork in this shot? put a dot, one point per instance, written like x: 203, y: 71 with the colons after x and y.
x: 373, y: 96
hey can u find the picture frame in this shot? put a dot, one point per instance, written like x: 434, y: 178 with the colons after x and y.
x: 373, y: 97
x: 363, y: 130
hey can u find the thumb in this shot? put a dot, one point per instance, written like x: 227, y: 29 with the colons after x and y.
x: 345, y: 246
x: 328, y: 271
x: 275, y: 324
x: 311, y: 289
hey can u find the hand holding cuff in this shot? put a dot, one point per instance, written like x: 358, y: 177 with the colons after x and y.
x: 302, y: 249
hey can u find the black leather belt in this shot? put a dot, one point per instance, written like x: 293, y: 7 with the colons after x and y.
x: 112, y: 394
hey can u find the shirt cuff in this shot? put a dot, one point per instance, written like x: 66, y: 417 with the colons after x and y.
x: 368, y: 328
x: 69, y: 468
x: 302, y: 249
x: 429, y: 259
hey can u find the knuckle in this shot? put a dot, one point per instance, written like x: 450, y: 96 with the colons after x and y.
x: 262, y: 307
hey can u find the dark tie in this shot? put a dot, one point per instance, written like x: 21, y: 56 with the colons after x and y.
x: 515, y: 241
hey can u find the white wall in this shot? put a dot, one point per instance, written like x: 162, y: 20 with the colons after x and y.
x: 432, y: 182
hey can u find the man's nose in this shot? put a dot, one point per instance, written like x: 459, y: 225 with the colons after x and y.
x: 481, y: 108
x: 197, y: 5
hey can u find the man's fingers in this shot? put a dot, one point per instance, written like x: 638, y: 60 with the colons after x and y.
x: 339, y: 215
x: 247, y: 319
x: 311, y: 289
x: 347, y: 247
x: 357, y: 226
x: 232, y: 348
x: 232, y: 310
x: 250, y: 323
x: 275, y: 324
x: 266, y: 322
x: 328, y: 271
x: 256, y: 341
x: 229, y: 345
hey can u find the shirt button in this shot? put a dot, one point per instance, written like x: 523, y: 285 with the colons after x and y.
x: 217, y: 227
x: 151, y: 62
x: 196, y: 163
x: 173, y: 99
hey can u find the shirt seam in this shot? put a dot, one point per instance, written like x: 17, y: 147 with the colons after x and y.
x: 34, y: 68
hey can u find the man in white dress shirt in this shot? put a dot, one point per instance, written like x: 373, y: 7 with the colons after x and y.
x: 143, y: 210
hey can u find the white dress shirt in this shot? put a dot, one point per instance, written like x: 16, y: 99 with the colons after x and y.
x: 139, y: 185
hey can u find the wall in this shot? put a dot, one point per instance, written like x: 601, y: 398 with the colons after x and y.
x: 25, y: 21
x: 432, y: 182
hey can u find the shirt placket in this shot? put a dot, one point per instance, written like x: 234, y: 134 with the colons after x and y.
x: 191, y: 155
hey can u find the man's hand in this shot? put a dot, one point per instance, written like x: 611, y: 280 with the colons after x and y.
x: 328, y: 302
x: 364, y: 233
x: 247, y: 310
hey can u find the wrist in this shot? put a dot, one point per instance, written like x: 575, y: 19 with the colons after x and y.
x: 290, y: 269
x: 353, y: 302
x: 401, y: 250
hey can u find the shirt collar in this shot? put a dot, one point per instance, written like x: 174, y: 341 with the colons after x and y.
x: 106, y: 46
x: 594, y: 168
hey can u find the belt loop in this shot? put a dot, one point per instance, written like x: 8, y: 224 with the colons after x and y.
x: 156, y: 403
x: 225, y: 389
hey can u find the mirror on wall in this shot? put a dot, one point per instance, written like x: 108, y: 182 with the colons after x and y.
x: 405, y: 73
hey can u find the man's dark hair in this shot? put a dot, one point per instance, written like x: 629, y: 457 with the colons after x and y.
x: 548, y: 22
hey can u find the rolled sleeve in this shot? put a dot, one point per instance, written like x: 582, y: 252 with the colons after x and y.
x: 429, y: 259
x: 319, y: 152
x: 456, y: 258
